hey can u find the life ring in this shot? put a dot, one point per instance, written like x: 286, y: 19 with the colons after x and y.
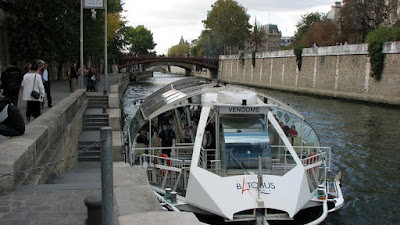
x: 169, y: 163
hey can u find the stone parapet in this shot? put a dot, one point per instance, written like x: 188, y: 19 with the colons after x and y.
x: 359, y: 49
x: 391, y: 47
x: 47, y: 139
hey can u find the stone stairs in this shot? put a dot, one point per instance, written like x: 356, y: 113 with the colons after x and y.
x: 98, y: 101
x: 94, y: 119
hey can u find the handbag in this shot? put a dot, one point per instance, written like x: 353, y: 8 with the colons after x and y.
x: 34, y: 93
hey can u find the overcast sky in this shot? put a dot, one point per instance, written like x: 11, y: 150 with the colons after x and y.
x: 168, y: 20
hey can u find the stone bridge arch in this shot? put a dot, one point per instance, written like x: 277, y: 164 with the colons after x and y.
x: 190, y: 64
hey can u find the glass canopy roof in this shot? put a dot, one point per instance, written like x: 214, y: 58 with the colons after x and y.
x: 180, y: 89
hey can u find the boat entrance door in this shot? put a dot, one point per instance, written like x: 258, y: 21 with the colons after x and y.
x: 242, y: 140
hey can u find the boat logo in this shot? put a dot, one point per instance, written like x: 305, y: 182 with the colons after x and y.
x: 265, y: 188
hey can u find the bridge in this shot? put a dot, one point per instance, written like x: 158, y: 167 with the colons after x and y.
x: 188, y: 63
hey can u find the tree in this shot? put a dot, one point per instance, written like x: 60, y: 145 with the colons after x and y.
x: 304, y: 24
x: 258, y: 37
x: 179, y: 50
x: 229, y: 25
x: 208, y: 45
x: 140, y: 40
x: 361, y: 17
x: 44, y: 29
x: 50, y: 30
x: 322, y: 33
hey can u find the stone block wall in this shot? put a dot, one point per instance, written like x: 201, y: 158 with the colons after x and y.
x: 46, y: 140
x: 336, y: 71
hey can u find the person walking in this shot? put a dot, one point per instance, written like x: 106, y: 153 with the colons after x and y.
x: 32, y: 81
x: 91, y: 79
x: 11, y: 80
x: 167, y: 139
x: 74, y: 77
x: 46, y: 84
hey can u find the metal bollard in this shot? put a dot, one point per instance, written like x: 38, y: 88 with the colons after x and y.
x: 173, y: 197
x: 93, y: 205
x: 107, y: 187
x: 167, y: 193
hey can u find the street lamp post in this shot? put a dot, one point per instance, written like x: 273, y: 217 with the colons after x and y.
x: 94, y: 4
x: 105, y: 51
x: 80, y: 80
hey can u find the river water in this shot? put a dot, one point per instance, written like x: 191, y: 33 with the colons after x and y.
x: 365, y: 147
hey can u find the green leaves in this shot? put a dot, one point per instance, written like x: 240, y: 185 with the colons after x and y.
x: 229, y: 25
x: 50, y: 30
x: 140, y: 40
x: 375, y: 40
x: 44, y: 29
x: 179, y: 50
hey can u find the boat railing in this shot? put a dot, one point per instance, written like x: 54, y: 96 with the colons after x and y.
x: 281, y: 161
x: 305, y: 153
x: 166, y: 172
x: 178, y: 152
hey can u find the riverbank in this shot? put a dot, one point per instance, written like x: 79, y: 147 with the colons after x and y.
x: 337, y: 71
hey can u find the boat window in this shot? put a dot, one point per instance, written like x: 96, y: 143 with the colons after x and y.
x: 305, y: 133
x: 243, y: 141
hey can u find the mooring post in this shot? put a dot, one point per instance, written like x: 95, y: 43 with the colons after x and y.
x: 107, y: 189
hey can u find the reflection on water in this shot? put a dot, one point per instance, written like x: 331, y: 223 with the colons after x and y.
x: 365, y: 145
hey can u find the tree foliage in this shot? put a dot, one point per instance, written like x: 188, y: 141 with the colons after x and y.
x: 361, y: 17
x: 179, y: 50
x: 304, y: 24
x: 44, y: 29
x: 50, y: 30
x: 257, y: 38
x: 208, y: 45
x: 140, y: 40
x: 375, y: 40
x: 228, y: 23
x: 322, y: 33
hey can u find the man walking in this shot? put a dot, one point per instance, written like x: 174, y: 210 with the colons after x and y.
x: 46, y: 84
x: 11, y: 80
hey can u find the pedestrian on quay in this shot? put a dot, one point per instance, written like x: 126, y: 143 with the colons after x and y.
x: 46, y: 84
x: 11, y: 80
x: 11, y: 121
x: 73, y: 76
x: 91, y: 79
x: 32, y: 81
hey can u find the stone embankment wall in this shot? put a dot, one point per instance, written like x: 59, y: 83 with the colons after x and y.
x: 336, y: 71
x: 115, y: 119
x: 46, y: 140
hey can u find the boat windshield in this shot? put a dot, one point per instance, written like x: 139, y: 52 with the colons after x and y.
x: 243, y: 141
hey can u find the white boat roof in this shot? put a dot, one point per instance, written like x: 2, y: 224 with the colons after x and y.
x: 195, y: 91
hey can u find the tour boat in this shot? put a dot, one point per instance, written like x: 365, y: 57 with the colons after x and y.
x: 240, y: 161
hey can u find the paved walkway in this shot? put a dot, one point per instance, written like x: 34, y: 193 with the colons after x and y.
x: 61, y: 202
